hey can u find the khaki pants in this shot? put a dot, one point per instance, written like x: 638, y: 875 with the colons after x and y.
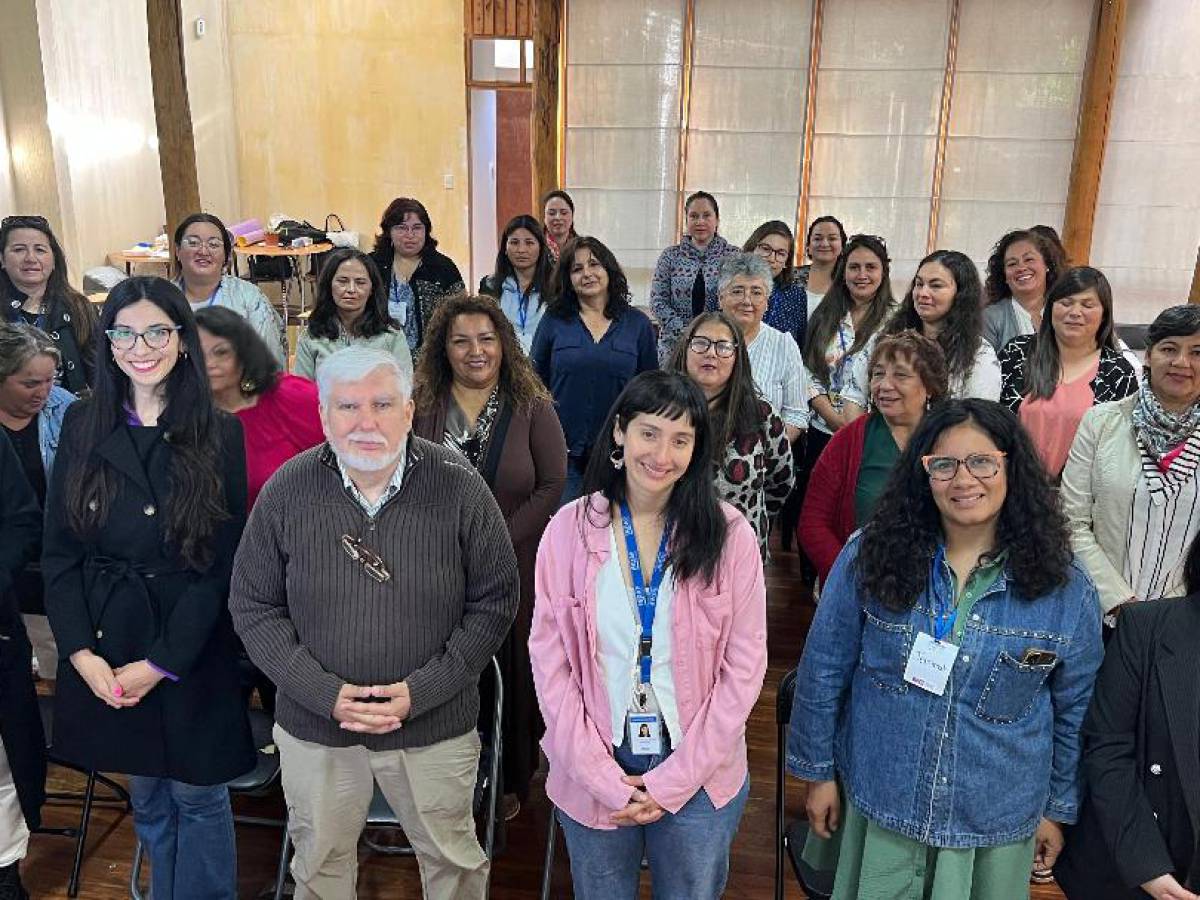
x: 44, y: 649
x: 328, y: 791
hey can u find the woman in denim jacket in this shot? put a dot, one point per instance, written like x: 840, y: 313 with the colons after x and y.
x: 947, y: 696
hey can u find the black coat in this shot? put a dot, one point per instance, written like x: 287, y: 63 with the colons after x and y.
x: 20, y: 721
x: 1141, y: 764
x: 77, y: 358
x: 435, y: 278
x: 127, y: 596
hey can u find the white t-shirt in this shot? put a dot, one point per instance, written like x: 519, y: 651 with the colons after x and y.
x: 617, y: 633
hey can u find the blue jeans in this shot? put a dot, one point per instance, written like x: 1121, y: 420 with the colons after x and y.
x: 688, y: 852
x: 187, y: 831
x: 574, y: 483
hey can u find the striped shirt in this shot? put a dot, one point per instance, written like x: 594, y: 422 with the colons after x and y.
x: 779, y: 372
x: 1163, y: 521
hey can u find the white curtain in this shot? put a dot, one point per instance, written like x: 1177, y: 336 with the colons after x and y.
x: 1013, y: 116
x: 1148, y: 223
x: 878, y: 93
x: 746, y: 126
x: 624, y: 73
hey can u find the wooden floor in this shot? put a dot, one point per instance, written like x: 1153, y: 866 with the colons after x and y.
x: 517, y: 871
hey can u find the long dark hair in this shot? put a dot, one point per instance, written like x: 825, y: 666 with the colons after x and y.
x: 827, y: 317
x: 196, y: 503
x: 58, y: 288
x: 996, y: 285
x: 541, y: 270
x: 564, y: 302
x: 962, y: 329
x: 774, y: 226
x: 736, y: 412
x: 260, y: 368
x: 905, y: 530
x: 187, y: 223
x: 519, y: 384
x: 373, y: 320
x: 1045, y: 363
x: 693, y: 509
x: 394, y: 215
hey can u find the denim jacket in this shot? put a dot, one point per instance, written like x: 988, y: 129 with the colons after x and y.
x: 980, y: 765
x: 50, y: 421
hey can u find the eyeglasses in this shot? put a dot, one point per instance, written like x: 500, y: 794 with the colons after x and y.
x: 156, y: 337
x: 194, y: 243
x: 38, y: 222
x: 700, y: 345
x: 409, y: 229
x: 766, y: 251
x: 981, y: 465
x: 756, y: 294
x: 368, y: 559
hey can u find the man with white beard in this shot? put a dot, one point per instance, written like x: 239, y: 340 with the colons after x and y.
x: 374, y: 581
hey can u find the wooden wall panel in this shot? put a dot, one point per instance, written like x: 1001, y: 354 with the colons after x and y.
x: 543, y: 123
x: 500, y: 18
x: 176, y: 142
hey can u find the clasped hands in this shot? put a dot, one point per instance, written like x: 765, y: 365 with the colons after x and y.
x: 642, y: 809
x: 119, y: 688
x: 372, y: 716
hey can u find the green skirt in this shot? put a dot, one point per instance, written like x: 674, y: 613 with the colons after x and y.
x: 874, y: 863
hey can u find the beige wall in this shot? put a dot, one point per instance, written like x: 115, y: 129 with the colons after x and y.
x: 344, y: 105
x: 210, y: 95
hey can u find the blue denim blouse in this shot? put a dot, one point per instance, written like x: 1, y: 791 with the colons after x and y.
x: 980, y: 765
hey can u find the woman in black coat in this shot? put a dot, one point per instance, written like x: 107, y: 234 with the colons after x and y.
x: 22, y: 744
x: 1140, y: 820
x: 145, y: 509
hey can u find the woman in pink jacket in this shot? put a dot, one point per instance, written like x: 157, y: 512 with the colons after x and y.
x: 649, y: 645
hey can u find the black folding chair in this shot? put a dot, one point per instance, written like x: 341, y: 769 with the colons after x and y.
x: 258, y: 782
x: 487, y: 787
x: 790, y: 836
x: 88, y: 798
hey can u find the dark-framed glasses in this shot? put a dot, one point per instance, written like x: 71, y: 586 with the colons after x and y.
x: 766, y: 251
x: 701, y: 345
x: 156, y: 337
x: 981, y: 465
x: 38, y: 222
x: 367, y: 558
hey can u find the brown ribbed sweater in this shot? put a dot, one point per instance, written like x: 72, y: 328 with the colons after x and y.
x: 313, y: 620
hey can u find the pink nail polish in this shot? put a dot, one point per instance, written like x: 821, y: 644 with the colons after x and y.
x: 118, y: 691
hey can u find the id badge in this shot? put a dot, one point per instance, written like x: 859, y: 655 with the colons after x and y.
x: 930, y: 663
x: 645, y: 733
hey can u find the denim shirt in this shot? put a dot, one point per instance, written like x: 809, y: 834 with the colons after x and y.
x: 980, y: 765
x: 50, y: 421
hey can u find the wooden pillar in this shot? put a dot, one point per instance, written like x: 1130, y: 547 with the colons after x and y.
x: 1095, y: 115
x: 545, y: 127
x: 1194, y: 293
x: 176, y: 144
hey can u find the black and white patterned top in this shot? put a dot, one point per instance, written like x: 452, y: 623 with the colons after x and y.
x: 1115, y: 378
x: 756, y: 474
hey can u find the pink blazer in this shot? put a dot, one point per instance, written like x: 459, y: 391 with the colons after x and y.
x: 719, y: 636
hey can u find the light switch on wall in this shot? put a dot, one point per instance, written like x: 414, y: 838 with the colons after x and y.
x: 448, y: 182
x: 201, y: 27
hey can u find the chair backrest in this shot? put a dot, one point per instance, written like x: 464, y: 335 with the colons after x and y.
x: 783, y: 700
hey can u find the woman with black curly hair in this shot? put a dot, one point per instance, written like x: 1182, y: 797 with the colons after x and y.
x: 947, y: 672
x: 943, y: 304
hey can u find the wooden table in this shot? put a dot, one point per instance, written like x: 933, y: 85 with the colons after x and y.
x: 302, y: 256
x: 130, y: 258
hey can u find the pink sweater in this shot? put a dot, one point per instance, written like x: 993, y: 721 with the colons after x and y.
x: 719, y: 636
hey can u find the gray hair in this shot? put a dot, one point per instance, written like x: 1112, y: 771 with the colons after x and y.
x: 749, y: 264
x: 19, y: 343
x: 355, y: 363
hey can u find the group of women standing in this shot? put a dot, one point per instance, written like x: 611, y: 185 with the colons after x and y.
x: 666, y: 482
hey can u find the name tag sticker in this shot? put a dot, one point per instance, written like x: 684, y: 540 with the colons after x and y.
x: 930, y: 663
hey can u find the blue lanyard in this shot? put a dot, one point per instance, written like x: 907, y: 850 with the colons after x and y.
x: 646, y: 597
x: 942, y: 618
